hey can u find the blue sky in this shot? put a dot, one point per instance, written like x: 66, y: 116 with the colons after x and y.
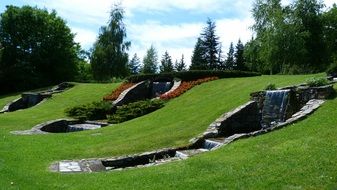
x: 171, y: 25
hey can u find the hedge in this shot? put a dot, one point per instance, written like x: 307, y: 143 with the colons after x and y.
x: 134, y: 110
x: 191, y: 75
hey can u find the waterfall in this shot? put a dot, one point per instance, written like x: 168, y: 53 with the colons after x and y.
x: 274, y: 107
x: 209, y: 144
x: 160, y: 88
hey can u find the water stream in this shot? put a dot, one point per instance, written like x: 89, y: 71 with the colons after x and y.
x: 275, y: 106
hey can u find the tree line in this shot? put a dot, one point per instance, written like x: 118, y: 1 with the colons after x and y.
x: 37, y: 48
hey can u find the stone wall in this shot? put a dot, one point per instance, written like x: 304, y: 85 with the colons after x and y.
x: 140, y: 91
x: 244, y: 119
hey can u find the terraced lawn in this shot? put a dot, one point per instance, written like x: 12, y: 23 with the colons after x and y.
x: 301, y: 156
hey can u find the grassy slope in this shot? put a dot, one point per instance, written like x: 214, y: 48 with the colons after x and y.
x: 295, y: 157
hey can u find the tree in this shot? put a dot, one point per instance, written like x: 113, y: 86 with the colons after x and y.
x: 38, y: 49
x: 134, y: 65
x: 308, y: 14
x: 238, y: 57
x: 330, y: 33
x: 198, y: 60
x: 150, y: 61
x: 210, y: 42
x: 166, y: 63
x: 221, y: 62
x: 230, y: 63
x: 180, y: 66
x: 109, y: 58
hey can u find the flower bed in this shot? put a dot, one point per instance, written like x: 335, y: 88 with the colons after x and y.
x: 185, y: 86
x: 115, y: 94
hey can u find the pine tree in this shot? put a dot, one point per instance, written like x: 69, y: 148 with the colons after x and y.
x: 134, y: 65
x: 180, y: 66
x: 210, y: 42
x: 198, y: 60
x: 239, y: 59
x: 166, y: 63
x: 229, y: 63
x: 150, y: 61
x: 221, y: 62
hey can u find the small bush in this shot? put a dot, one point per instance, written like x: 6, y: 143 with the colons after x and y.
x: 134, y: 110
x: 332, y: 70
x: 191, y: 75
x: 115, y: 94
x: 315, y: 82
x: 92, y: 111
x: 185, y: 86
x: 270, y: 87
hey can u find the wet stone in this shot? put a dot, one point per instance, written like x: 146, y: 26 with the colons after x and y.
x: 70, y: 166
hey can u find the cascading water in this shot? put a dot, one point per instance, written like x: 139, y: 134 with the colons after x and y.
x: 160, y: 88
x: 274, y: 107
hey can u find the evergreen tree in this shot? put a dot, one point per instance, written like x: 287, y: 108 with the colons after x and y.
x: 166, y: 63
x: 180, y: 66
x: 150, y: 61
x: 210, y: 42
x: 230, y: 63
x: 198, y: 60
x: 134, y: 65
x: 221, y: 62
x: 239, y: 59
x: 109, y: 58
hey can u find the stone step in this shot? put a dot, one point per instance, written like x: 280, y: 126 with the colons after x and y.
x: 184, y: 154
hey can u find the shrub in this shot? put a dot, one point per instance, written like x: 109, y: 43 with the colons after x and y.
x: 191, y: 75
x: 332, y: 70
x: 115, y: 94
x: 270, y: 87
x: 134, y: 110
x: 315, y: 82
x: 92, y: 111
x: 185, y: 86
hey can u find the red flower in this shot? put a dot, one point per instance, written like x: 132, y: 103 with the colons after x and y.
x: 115, y: 94
x: 185, y: 86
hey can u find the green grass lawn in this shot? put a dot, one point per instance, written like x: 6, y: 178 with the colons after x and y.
x: 300, y: 156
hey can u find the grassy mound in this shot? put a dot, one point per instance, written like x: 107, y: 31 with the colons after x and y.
x: 300, y: 156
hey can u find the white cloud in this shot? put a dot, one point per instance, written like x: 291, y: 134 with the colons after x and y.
x: 86, y: 16
x: 84, y: 36
x: 180, y: 39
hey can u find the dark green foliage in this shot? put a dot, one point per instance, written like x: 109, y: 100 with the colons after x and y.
x: 270, y: 87
x: 150, y: 61
x: 134, y: 65
x: 210, y: 42
x: 332, y: 70
x: 92, y: 111
x: 109, y: 58
x: 230, y: 62
x: 206, y: 52
x: 330, y: 33
x: 238, y: 56
x: 289, y: 39
x: 180, y: 66
x: 38, y: 49
x: 191, y: 75
x: 315, y: 82
x: 134, y: 110
x: 166, y: 63
x: 198, y: 61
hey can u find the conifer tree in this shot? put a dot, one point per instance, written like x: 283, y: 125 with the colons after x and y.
x: 166, y: 63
